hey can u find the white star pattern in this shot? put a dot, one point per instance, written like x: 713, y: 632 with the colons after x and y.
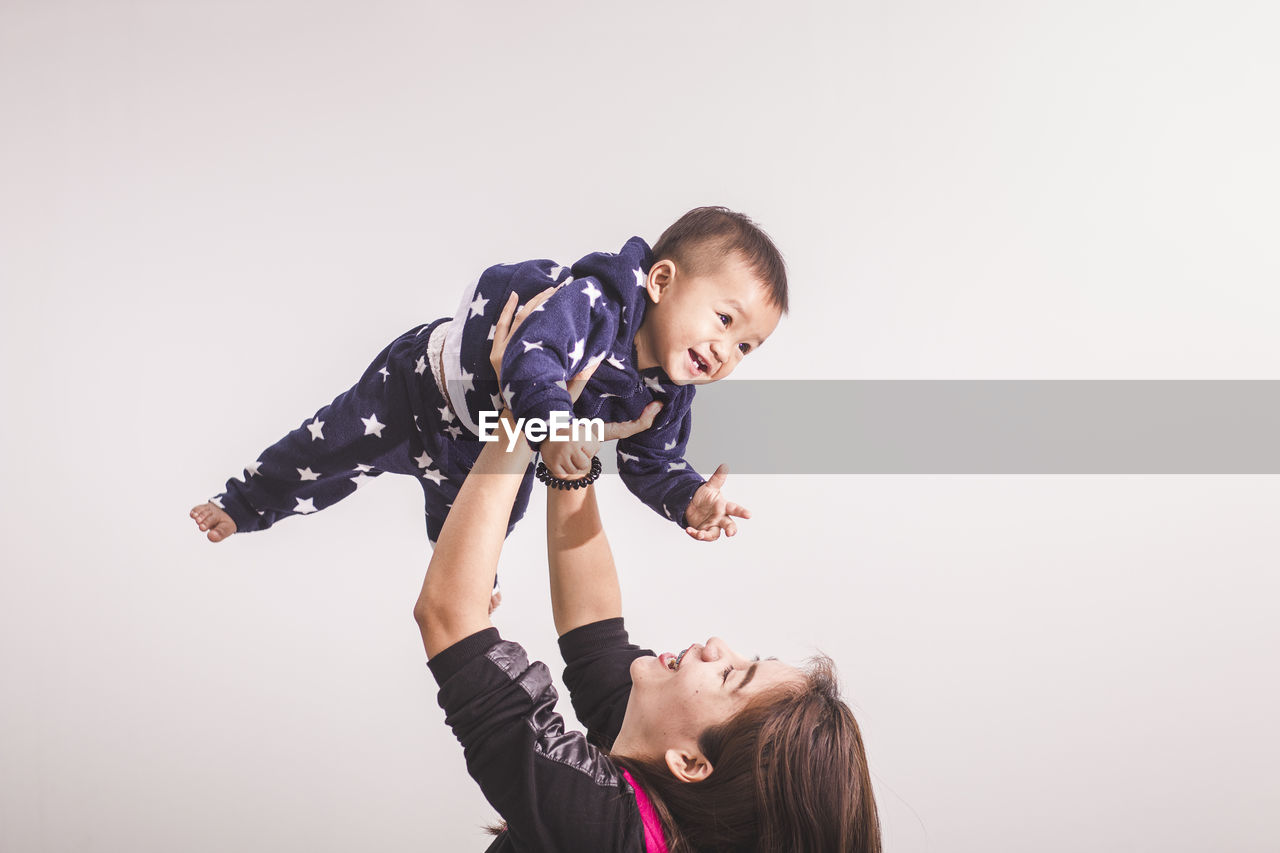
x: 562, y: 385
x: 576, y: 360
x: 371, y: 425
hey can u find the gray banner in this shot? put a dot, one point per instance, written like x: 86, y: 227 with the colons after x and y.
x: 988, y: 427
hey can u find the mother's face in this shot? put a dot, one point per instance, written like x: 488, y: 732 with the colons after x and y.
x: 675, y: 697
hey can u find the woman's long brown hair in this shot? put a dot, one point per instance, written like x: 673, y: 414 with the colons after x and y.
x: 789, y: 776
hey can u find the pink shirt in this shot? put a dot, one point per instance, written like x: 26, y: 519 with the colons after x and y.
x: 654, y: 840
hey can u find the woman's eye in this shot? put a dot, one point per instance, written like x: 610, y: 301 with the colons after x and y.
x: 724, y: 676
x: 724, y: 319
x: 744, y: 348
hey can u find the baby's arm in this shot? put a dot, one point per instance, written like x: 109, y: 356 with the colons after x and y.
x: 568, y: 460
x: 570, y: 329
x: 653, y: 466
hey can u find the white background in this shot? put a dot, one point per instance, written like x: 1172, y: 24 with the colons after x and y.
x: 213, y: 214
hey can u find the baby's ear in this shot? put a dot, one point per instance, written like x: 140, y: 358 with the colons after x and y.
x: 660, y: 277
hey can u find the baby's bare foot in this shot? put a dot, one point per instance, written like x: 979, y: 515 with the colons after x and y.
x: 215, y: 520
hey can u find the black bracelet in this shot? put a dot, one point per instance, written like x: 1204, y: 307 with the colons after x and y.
x: 552, y: 482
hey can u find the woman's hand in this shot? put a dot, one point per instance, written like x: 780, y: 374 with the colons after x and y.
x: 508, y: 321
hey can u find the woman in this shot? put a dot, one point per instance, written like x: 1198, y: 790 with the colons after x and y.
x: 697, y: 751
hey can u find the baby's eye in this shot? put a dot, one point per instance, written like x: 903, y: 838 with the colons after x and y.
x: 744, y: 348
x: 724, y: 319
x: 724, y: 676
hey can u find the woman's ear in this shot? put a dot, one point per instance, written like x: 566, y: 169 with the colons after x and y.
x: 688, y: 766
x: 660, y: 277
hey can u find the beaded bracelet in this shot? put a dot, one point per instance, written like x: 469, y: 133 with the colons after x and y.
x: 552, y: 482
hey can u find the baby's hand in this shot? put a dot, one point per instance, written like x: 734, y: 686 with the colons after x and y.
x: 568, y: 460
x: 709, y: 512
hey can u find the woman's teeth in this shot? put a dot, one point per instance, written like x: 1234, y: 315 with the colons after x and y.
x: 674, y: 663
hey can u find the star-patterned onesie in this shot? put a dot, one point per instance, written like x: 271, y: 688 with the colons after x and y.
x: 400, y: 418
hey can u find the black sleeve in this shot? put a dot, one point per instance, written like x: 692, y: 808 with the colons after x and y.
x: 556, y: 791
x: 597, y: 672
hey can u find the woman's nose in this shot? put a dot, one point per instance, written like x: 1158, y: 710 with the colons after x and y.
x: 715, y: 649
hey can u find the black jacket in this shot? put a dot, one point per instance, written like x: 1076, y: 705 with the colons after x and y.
x: 557, y: 790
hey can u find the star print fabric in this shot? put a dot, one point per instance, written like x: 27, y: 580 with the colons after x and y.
x: 395, y: 419
x: 594, y: 314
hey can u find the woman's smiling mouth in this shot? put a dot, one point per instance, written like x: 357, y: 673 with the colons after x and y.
x: 672, y: 662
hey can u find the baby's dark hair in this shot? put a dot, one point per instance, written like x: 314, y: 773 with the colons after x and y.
x: 707, y: 235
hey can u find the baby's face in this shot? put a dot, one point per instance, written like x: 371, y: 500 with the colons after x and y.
x: 699, y: 327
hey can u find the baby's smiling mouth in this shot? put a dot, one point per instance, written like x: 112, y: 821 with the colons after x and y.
x: 699, y: 362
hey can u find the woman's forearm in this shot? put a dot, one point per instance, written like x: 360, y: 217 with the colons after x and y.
x: 454, y: 602
x: 584, y: 579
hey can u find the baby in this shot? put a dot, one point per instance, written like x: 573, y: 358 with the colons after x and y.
x: 659, y: 321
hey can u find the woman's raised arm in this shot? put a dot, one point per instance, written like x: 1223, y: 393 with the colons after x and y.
x: 454, y: 602
x: 584, y: 579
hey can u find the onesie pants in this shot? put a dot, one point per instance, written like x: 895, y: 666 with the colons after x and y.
x: 395, y: 419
